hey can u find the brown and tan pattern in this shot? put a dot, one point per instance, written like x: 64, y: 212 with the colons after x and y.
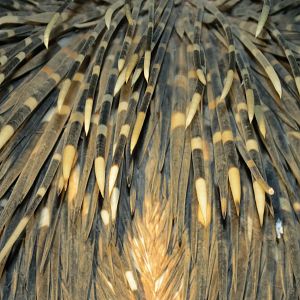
x: 149, y: 149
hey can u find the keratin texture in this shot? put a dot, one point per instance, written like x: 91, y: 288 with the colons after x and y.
x: 149, y: 149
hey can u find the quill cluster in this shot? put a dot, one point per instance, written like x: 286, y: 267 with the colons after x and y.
x: 149, y: 149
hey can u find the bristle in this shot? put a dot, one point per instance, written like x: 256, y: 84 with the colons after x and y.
x: 111, y: 10
x: 231, y: 50
x: 128, y: 39
x: 102, y: 127
x: 147, y: 57
x: 151, y: 86
x: 264, y: 63
x: 263, y: 17
x: 122, y: 140
x: 53, y: 21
